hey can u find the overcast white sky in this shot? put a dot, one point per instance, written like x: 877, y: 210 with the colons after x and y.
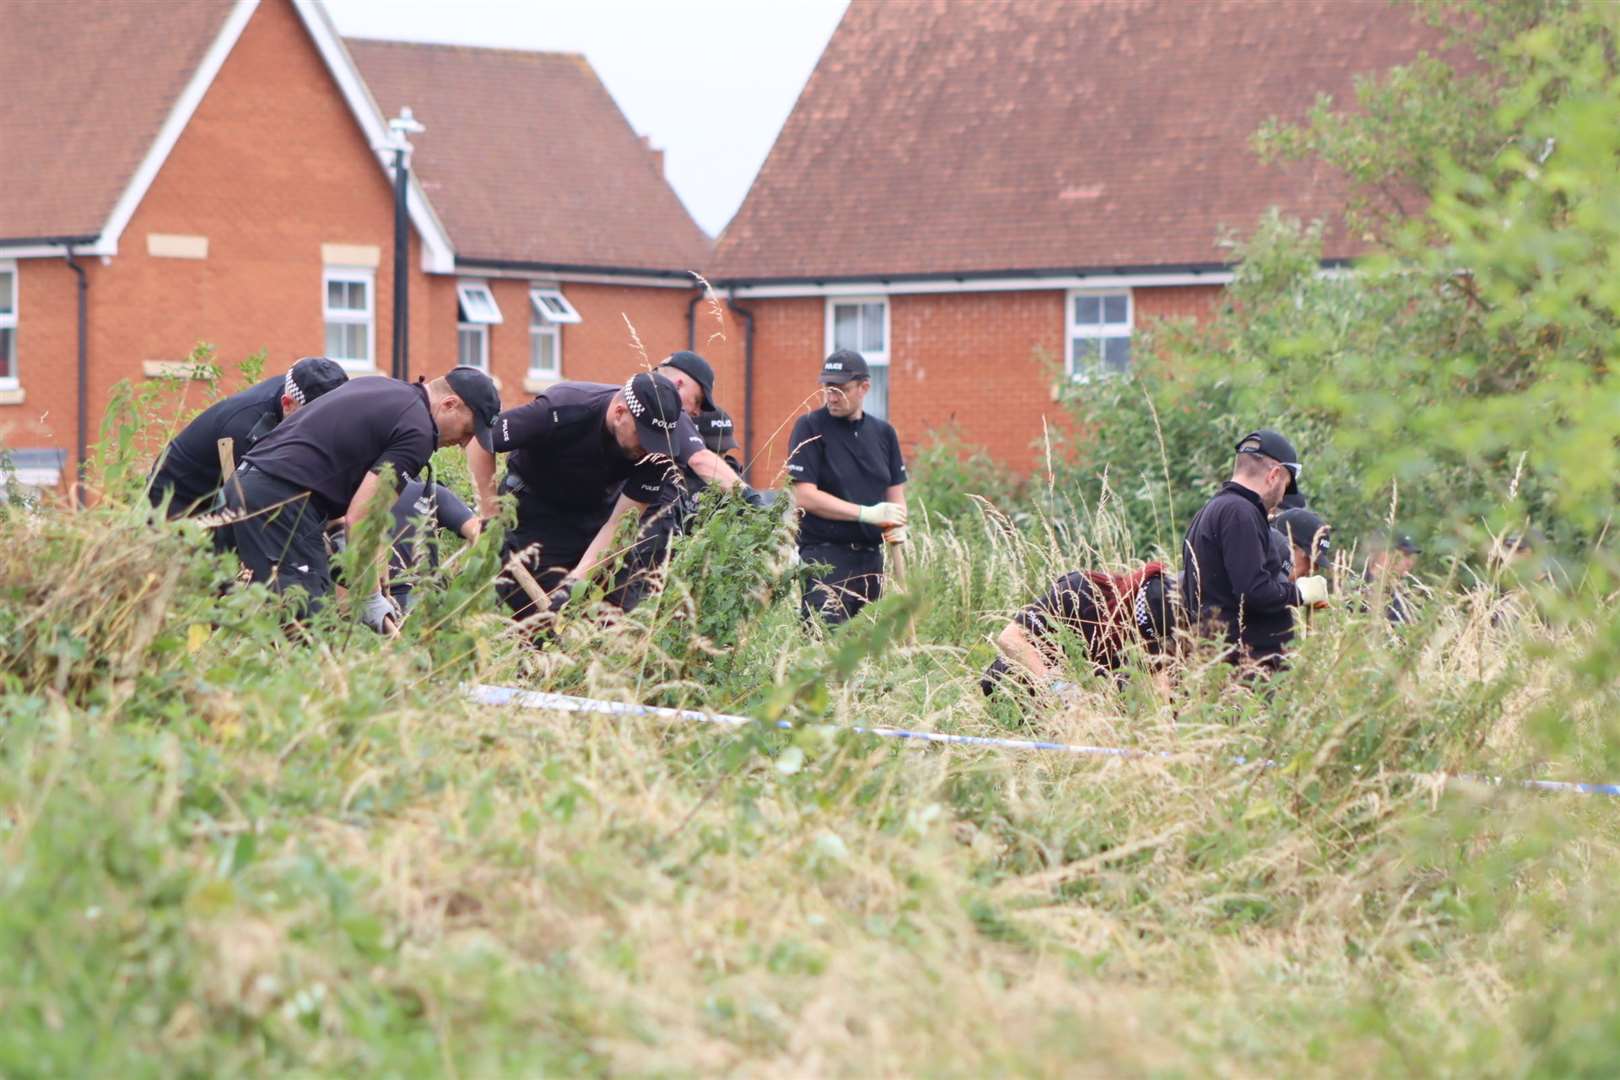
x: 710, y: 80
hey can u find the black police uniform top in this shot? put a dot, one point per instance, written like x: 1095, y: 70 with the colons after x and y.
x: 1235, y: 575
x: 328, y: 446
x: 441, y: 509
x: 189, y: 465
x: 855, y: 460
x: 565, y: 457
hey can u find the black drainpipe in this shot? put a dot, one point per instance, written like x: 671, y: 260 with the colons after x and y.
x: 691, y: 320
x: 748, y: 387
x: 84, y: 363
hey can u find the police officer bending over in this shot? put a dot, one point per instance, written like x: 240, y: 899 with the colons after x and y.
x: 187, y: 472
x: 1234, y: 584
x: 419, y: 513
x: 672, y: 515
x: 849, y: 485
x: 583, y: 455
x: 1105, y: 611
x: 323, y: 464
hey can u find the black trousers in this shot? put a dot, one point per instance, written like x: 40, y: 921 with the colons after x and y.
x: 854, y: 580
x: 641, y: 574
x: 549, y: 541
x: 281, y: 535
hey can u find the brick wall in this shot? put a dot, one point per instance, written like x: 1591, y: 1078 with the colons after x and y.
x: 978, y: 369
x: 272, y: 166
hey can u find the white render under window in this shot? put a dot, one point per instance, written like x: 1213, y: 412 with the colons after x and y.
x: 1098, y: 341
x: 552, y: 306
x: 349, y: 311
x: 862, y: 324
x: 8, y: 326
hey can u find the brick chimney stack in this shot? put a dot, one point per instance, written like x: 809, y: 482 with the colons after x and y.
x: 656, y: 153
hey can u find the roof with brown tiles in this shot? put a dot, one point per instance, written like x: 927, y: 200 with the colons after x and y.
x: 85, y: 88
x: 526, y: 158
x: 943, y: 136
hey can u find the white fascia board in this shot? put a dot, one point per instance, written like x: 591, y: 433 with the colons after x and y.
x: 981, y: 285
x: 438, y: 254
x: 169, y: 133
x: 43, y: 251
x: 575, y: 278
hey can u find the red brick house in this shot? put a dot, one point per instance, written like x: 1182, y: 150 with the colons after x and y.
x: 981, y: 195
x: 216, y: 170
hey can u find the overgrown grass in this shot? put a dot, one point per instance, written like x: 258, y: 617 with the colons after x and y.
x: 231, y: 851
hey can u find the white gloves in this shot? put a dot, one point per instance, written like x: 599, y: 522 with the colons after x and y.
x: 896, y: 535
x: 885, y: 515
x: 379, y: 612
x: 1313, y: 591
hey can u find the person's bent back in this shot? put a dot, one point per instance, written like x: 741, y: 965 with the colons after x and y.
x: 188, y: 473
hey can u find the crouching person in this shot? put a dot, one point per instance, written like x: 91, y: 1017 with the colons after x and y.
x: 1106, y: 612
x: 323, y: 463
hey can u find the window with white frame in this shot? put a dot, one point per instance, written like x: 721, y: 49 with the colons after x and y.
x: 1099, y: 337
x: 551, y: 305
x: 476, y: 312
x: 472, y: 345
x: 862, y: 324
x: 8, y: 326
x: 348, y: 310
x: 545, y: 333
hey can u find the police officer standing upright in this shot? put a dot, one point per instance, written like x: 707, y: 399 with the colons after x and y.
x: 188, y: 471
x: 324, y: 464
x: 583, y: 455
x: 1234, y: 584
x: 849, y: 484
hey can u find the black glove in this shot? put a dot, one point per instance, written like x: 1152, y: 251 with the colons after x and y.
x: 758, y: 498
x: 558, y: 598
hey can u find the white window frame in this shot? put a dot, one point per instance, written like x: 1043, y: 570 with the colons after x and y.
x: 1073, y: 328
x: 873, y: 359
x: 541, y: 323
x: 470, y: 294
x: 368, y: 318
x: 482, y: 330
x: 539, y: 295
x: 8, y: 321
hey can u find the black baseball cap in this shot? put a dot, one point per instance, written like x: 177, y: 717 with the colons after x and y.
x: 1271, y: 444
x: 1294, y: 500
x: 1303, y: 528
x: 311, y: 377
x: 699, y: 369
x: 716, y: 428
x: 656, y: 406
x: 477, y: 391
x: 844, y: 366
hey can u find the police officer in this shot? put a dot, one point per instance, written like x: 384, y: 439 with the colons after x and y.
x: 849, y: 486
x: 582, y: 456
x: 187, y: 472
x: 1310, y: 541
x: 694, y: 381
x: 1233, y: 583
x: 1391, y: 557
x: 324, y: 463
x: 1105, y: 611
x: 672, y: 515
x: 419, y: 513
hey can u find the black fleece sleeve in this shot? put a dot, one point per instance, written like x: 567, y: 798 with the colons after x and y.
x: 1244, y: 549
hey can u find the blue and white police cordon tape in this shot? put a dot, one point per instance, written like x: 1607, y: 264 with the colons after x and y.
x: 485, y: 694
